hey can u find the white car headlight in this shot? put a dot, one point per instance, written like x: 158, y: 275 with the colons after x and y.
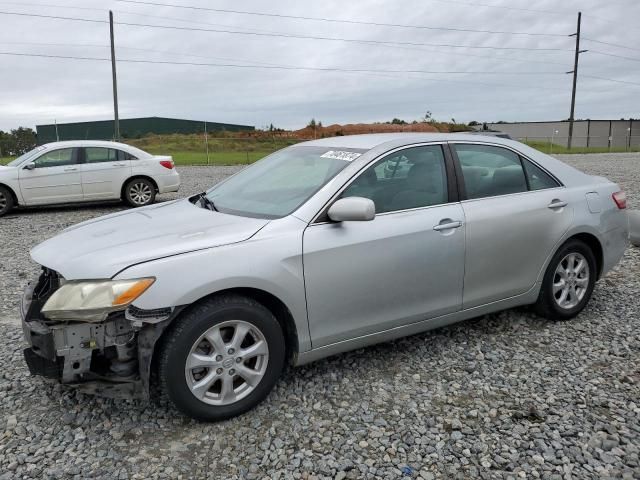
x: 92, y: 300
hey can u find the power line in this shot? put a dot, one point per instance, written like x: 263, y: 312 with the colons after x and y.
x: 521, y: 9
x: 597, y: 52
x: 359, y: 72
x: 56, y: 17
x: 22, y: 4
x: 336, y: 20
x: 283, y: 67
x: 173, y: 18
x: 320, y: 69
x: 173, y: 52
x: 285, y: 35
x: 611, y: 44
x: 610, y: 79
x: 503, y: 7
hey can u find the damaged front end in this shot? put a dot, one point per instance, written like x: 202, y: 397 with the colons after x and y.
x: 108, y: 355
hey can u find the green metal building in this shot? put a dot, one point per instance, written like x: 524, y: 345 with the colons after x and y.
x: 130, y: 128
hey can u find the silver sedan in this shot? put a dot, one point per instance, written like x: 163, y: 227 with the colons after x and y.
x: 319, y: 248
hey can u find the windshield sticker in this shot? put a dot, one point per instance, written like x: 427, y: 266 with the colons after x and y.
x: 340, y: 155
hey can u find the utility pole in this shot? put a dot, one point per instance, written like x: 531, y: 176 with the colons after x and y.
x: 206, y: 141
x: 116, y: 130
x: 575, y: 79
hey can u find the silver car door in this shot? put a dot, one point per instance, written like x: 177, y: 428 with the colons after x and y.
x: 104, y: 171
x: 514, y: 218
x: 404, y: 266
x: 53, y: 177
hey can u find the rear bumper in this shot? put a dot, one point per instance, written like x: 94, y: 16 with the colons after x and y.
x: 615, y: 242
x: 168, y: 183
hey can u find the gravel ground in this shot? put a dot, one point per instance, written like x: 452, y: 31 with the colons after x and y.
x: 502, y: 396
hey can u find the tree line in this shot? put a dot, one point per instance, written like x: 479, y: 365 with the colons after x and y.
x: 17, y: 141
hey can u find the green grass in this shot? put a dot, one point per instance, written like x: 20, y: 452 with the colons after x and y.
x: 545, y: 147
x: 215, y: 158
x: 191, y: 149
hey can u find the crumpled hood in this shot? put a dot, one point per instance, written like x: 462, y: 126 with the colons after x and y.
x: 102, y: 247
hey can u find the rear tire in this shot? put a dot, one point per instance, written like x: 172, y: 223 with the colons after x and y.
x: 221, y: 358
x: 568, y: 282
x: 139, y: 192
x: 6, y: 201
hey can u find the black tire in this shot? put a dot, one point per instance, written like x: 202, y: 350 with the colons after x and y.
x: 188, y: 329
x: 6, y: 201
x: 547, y: 305
x: 139, y: 192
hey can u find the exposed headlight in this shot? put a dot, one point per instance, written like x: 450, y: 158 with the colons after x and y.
x: 93, y: 300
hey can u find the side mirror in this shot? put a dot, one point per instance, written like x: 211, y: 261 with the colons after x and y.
x: 352, y: 209
x: 30, y: 166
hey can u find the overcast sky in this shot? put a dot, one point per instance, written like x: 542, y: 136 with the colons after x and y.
x: 515, y: 85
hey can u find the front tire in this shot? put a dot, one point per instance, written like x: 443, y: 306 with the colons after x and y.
x: 6, y: 201
x: 139, y: 192
x: 568, y: 282
x: 221, y: 358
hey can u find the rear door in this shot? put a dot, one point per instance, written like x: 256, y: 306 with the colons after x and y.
x: 515, y: 212
x: 104, y: 170
x: 55, y: 178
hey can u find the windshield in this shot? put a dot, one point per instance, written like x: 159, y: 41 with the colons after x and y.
x: 278, y: 184
x: 21, y: 158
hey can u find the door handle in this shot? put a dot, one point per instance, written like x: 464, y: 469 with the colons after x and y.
x: 447, y: 226
x: 119, y: 165
x: 555, y: 203
x: 70, y: 169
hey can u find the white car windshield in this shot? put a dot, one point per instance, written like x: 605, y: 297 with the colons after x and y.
x: 29, y: 154
x: 278, y: 184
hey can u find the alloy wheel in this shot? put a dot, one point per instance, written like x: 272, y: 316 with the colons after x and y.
x: 3, y: 201
x: 571, y: 280
x: 140, y: 193
x: 227, y: 362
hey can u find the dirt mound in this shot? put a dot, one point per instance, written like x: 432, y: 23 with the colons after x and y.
x: 359, y: 128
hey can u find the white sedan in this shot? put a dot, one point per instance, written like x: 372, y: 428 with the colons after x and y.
x: 85, y: 171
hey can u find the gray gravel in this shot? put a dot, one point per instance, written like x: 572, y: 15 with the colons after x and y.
x: 501, y: 396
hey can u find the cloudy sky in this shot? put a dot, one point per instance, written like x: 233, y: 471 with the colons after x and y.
x: 486, y: 77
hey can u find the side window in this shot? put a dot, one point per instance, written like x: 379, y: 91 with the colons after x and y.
x: 411, y: 178
x: 99, y: 155
x: 122, y: 155
x: 56, y: 158
x: 538, y: 178
x: 489, y: 171
x: 394, y: 166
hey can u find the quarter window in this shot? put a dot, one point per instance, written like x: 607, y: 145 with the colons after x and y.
x: 99, y: 155
x: 56, y: 158
x: 410, y: 178
x: 489, y: 171
x: 122, y: 155
x: 538, y: 178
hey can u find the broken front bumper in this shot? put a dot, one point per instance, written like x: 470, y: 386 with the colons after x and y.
x: 109, y: 358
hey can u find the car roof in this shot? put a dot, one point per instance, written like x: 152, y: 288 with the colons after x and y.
x: 87, y: 143
x: 373, y: 140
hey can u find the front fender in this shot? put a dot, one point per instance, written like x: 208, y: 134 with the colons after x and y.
x: 271, y: 261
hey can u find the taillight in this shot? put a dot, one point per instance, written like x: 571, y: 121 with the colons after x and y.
x: 621, y: 199
x: 167, y: 164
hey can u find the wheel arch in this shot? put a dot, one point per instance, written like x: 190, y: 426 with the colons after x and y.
x: 275, y: 305
x: 133, y: 177
x: 593, y: 243
x: 589, y: 238
x: 14, y: 196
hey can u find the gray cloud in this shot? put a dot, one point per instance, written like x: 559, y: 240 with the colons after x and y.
x: 39, y: 90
